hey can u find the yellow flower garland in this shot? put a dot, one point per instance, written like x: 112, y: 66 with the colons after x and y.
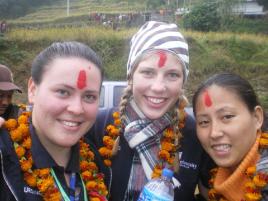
x: 166, y: 153
x: 258, y: 180
x: 42, y: 178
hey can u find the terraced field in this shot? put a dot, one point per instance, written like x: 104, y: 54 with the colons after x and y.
x: 79, y: 10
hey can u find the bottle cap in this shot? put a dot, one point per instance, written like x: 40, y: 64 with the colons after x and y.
x: 167, y: 173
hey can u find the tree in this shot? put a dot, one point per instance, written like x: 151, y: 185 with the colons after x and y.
x: 225, y: 12
x: 263, y: 3
x: 153, y: 4
x: 203, y: 17
x: 210, y: 15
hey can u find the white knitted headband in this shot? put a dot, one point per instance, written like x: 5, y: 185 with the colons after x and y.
x: 158, y: 36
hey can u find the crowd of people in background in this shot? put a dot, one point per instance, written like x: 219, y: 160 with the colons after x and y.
x: 117, y: 20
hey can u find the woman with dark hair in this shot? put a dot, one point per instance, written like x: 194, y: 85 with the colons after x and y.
x: 43, y: 153
x: 230, y: 126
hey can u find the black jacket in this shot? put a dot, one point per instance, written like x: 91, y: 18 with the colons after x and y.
x: 12, y: 185
x: 194, y: 163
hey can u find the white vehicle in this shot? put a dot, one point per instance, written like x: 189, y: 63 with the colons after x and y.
x: 111, y: 92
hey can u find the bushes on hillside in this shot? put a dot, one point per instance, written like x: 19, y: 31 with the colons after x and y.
x: 217, y: 16
x: 203, y: 17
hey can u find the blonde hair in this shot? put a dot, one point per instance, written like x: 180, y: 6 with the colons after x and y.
x: 123, y: 102
x: 178, y: 117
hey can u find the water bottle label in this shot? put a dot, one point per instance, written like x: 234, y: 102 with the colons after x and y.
x: 148, y: 195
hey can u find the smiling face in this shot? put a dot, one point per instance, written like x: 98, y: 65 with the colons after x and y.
x: 157, y: 83
x: 225, y: 126
x: 65, y: 103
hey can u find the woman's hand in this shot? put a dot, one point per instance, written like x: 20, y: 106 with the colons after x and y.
x: 2, y: 121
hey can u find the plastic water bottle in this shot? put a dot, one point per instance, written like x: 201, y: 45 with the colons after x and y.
x: 159, y: 189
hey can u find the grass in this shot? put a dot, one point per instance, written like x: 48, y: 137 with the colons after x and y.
x: 73, y: 33
x: 219, y: 36
x: 101, y: 32
x: 245, y: 54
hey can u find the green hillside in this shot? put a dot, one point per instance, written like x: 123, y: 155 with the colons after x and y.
x: 212, y: 52
x: 245, y: 54
x: 79, y: 11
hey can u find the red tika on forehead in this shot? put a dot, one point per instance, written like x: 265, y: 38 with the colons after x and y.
x: 162, y: 59
x: 81, y: 79
x: 207, y: 99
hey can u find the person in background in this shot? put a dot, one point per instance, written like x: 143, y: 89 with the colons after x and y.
x: 151, y: 130
x: 7, y: 89
x: 43, y: 155
x: 230, y: 126
x: 3, y: 27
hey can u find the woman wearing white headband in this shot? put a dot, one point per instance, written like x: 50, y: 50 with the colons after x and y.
x: 153, y: 127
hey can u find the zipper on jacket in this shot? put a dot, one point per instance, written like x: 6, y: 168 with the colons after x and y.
x: 5, y: 178
x: 111, y: 178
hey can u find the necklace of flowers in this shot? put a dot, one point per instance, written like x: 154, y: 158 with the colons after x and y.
x: 42, y: 179
x: 258, y: 180
x: 168, y: 150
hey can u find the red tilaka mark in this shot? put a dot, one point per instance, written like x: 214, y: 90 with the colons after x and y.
x: 207, y: 99
x: 81, y: 79
x: 162, y: 59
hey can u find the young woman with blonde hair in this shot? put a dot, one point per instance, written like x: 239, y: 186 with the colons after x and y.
x: 151, y: 130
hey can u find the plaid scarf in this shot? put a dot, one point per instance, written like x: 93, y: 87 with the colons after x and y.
x: 143, y: 135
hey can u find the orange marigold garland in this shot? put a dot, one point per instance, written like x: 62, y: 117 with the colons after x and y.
x: 166, y: 153
x: 42, y: 178
x: 113, y: 131
x: 258, y: 180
